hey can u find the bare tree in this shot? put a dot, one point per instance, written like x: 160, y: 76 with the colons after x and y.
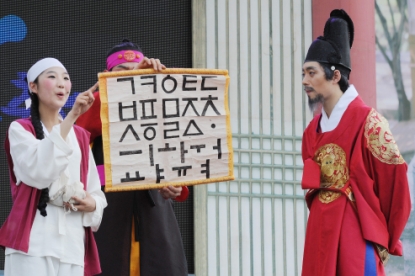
x: 391, y: 51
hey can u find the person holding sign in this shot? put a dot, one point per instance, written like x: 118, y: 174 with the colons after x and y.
x: 358, y: 193
x: 52, y: 169
x: 140, y: 233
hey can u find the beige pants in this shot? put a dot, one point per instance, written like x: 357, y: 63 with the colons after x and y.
x: 17, y: 264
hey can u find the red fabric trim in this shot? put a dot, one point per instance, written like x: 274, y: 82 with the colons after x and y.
x: 15, y: 231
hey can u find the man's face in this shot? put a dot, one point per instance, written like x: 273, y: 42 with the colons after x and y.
x: 315, y: 84
x: 314, y: 80
x: 126, y: 66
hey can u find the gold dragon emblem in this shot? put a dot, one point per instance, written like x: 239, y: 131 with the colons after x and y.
x: 333, y: 171
x: 380, y: 140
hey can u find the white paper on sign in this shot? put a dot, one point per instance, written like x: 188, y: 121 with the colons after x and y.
x: 169, y: 128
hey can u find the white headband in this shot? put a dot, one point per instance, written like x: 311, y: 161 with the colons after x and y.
x: 41, y: 66
x: 37, y: 69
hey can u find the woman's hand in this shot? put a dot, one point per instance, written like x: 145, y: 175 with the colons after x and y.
x: 151, y: 63
x: 170, y: 192
x: 87, y: 204
x: 83, y: 101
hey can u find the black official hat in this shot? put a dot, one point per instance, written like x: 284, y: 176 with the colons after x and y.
x: 334, y: 47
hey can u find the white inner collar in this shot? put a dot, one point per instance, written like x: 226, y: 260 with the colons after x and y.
x: 329, y: 124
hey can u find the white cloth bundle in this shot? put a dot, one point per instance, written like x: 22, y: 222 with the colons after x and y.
x: 61, y: 191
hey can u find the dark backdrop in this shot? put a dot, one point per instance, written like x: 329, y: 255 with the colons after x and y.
x: 79, y: 34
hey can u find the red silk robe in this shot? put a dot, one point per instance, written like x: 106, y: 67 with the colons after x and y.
x: 358, y: 192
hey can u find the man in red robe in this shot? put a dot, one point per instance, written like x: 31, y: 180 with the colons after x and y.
x: 139, y: 234
x: 358, y: 193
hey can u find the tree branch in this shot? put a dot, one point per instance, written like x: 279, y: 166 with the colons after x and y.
x: 384, y: 25
x: 383, y: 51
x: 392, y: 15
x: 401, y: 23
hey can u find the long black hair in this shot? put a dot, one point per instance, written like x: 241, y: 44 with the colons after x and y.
x: 37, y: 125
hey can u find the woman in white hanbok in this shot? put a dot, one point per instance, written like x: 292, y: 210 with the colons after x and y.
x: 50, y: 161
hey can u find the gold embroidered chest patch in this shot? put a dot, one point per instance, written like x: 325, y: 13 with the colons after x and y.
x: 380, y: 140
x: 333, y: 171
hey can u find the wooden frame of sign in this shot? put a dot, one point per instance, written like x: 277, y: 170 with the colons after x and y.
x: 168, y: 128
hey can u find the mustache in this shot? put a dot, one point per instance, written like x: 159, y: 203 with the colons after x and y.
x: 308, y: 88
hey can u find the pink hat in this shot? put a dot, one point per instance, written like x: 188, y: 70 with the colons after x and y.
x: 123, y: 56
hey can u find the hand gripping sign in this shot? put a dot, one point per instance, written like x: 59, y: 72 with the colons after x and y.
x: 165, y: 129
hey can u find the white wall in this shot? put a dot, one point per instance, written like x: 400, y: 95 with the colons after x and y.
x: 255, y: 225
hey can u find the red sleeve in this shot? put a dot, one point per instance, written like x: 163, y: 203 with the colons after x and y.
x: 184, y: 194
x: 309, y: 139
x: 389, y: 172
x: 91, y: 120
x: 311, y: 170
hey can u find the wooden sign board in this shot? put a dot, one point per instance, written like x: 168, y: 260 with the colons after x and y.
x: 169, y: 128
